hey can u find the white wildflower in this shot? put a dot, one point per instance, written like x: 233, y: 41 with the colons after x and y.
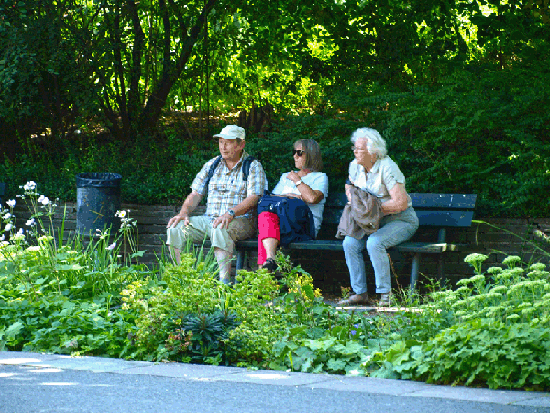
x: 30, y: 186
x: 8, y: 227
x: 11, y: 203
x: 7, y: 216
x: 112, y: 246
x: 20, y: 236
x: 121, y: 214
x: 31, y: 222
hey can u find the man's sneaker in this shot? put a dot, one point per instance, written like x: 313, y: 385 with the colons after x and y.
x: 385, y: 300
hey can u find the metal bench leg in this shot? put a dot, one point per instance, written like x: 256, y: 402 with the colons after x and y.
x: 414, y: 270
x: 239, y: 265
x: 440, y: 270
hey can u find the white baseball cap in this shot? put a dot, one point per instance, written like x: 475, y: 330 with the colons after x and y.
x: 231, y: 132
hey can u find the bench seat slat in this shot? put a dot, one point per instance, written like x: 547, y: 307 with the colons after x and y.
x: 426, y: 247
x: 336, y: 245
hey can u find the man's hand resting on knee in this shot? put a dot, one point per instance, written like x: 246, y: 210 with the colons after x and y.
x: 176, y: 220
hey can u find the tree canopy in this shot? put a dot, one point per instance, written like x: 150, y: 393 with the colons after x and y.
x: 450, y: 76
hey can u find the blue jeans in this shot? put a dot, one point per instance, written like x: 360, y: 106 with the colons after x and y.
x: 394, y: 229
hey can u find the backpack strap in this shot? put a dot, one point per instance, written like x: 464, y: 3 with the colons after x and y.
x: 211, y: 172
x: 246, y: 166
x: 245, y: 169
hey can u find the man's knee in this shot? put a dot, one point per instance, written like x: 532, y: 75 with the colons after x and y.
x: 175, y: 237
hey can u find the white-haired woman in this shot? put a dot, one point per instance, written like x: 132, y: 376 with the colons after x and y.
x: 374, y: 171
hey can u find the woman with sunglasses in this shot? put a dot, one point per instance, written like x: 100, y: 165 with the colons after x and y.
x: 307, y: 184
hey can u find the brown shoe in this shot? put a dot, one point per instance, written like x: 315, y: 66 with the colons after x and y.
x: 385, y: 300
x: 355, y: 299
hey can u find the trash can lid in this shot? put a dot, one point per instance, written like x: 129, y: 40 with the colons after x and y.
x: 98, y: 180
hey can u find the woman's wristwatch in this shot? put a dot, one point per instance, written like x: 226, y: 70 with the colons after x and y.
x: 231, y: 212
x: 298, y: 182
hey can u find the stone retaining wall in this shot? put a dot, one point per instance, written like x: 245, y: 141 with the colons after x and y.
x: 498, y: 238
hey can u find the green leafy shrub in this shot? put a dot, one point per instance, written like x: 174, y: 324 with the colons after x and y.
x: 487, y: 352
x: 479, y: 131
x: 57, y: 294
x: 495, y: 332
x: 163, y: 315
x: 59, y: 325
x: 208, y: 334
x: 41, y: 261
x: 334, y: 352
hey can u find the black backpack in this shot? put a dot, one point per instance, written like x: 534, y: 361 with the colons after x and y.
x: 245, y: 169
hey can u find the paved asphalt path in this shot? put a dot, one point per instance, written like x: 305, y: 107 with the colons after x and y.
x: 31, y: 382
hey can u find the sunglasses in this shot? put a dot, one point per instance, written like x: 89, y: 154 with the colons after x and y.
x: 298, y: 152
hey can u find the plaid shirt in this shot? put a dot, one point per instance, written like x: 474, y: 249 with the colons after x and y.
x: 227, y: 188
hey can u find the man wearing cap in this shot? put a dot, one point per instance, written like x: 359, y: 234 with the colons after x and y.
x: 230, y: 205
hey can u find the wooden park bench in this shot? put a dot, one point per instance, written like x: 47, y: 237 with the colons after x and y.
x: 437, y: 213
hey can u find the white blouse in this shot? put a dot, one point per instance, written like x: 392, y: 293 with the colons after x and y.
x: 318, y: 181
x: 383, y: 176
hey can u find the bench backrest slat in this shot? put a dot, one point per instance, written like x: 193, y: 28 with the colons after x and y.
x: 445, y: 218
x: 458, y: 201
x: 452, y: 210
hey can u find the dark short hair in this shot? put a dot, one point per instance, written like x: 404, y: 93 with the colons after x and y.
x: 312, y: 153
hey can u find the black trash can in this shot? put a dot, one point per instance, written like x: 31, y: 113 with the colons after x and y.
x: 97, y: 201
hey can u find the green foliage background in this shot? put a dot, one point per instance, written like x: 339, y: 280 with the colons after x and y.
x: 458, y: 89
x: 478, y: 132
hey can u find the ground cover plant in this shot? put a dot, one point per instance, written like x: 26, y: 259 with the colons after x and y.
x: 491, y: 331
x: 59, y: 295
